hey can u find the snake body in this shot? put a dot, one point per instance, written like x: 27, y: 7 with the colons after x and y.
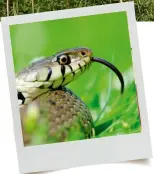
x: 42, y: 92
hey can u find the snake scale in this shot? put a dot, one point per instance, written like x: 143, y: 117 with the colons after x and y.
x: 42, y: 94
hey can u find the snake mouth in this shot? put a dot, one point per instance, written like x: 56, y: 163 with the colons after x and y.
x: 113, y: 68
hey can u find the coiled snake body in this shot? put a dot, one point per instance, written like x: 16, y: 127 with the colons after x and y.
x: 42, y: 96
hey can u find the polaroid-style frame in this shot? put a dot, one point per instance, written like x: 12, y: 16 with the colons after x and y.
x: 87, y: 152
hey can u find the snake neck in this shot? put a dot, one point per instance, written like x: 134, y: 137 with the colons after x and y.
x: 36, y: 80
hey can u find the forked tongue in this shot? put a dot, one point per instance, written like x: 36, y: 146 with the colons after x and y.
x: 113, y: 68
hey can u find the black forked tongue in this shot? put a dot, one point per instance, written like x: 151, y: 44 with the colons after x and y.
x: 113, y: 68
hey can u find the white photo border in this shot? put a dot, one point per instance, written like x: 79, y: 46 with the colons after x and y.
x: 87, y: 152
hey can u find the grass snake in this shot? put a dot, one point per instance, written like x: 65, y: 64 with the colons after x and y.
x: 44, y: 100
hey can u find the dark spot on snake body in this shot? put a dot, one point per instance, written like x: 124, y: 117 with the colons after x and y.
x: 63, y: 95
x: 52, y: 102
x: 49, y: 74
x: 59, y: 107
x: 41, y: 87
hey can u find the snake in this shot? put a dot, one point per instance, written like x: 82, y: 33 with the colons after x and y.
x: 41, y: 90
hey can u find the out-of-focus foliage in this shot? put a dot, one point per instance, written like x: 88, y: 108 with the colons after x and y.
x: 107, y: 35
x: 144, y: 8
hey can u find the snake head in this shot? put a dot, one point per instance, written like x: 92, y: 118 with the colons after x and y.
x: 52, y: 73
x: 71, y: 63
x: 57, y: 71
x: 76, y: 55
x: 78, y: 59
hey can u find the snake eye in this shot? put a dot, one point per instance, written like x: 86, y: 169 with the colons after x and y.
x: 64, y: 59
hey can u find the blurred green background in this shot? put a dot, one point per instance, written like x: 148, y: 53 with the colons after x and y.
x: 108, y: 36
